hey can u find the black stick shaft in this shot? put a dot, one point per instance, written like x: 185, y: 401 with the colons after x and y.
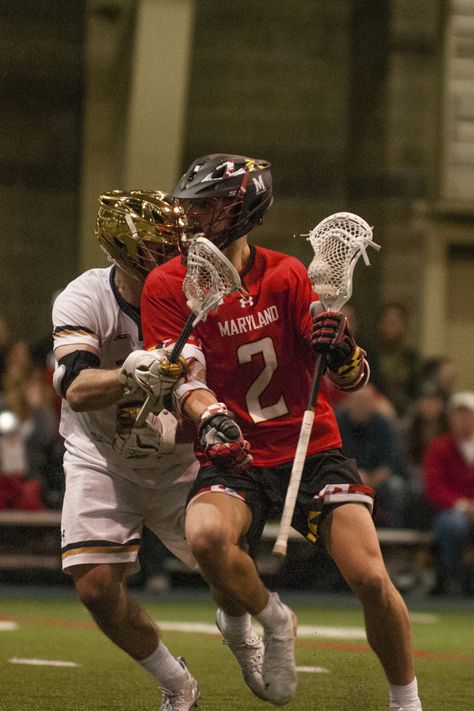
x: 179, y: 345
x: 319, y: 368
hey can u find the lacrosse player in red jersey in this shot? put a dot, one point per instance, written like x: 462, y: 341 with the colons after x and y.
x: 119, y: 477
x: 257, y: 352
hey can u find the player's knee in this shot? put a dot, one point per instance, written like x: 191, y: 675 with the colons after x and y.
x: 97, y: 591
x: 372, y: 586
x: 208, y: 542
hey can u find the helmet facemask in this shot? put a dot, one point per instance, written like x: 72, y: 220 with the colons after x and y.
x: 139, y: 230
x: 217, y: 219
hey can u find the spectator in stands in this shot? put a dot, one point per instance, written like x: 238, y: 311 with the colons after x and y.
x: 398, y: 365
x: 449, y: 485
x: 425, y: 420
x: 442, y: 373
x: 41, y: 350
x: 26, y: 441
x: 42, y: 357
x: 370, y: 438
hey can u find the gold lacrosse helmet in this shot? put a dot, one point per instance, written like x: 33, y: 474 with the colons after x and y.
x: 139, y: 229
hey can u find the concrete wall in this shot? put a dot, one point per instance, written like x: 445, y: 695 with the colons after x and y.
x: 41, y: 93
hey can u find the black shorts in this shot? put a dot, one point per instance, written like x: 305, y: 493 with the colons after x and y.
x: 329, y: 479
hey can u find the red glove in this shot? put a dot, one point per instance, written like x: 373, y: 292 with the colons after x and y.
x: 221, y: 439
x: 331, y: 334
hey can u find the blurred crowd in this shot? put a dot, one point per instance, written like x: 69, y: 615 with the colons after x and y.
x: 410, y: 430
x: 31, y: 449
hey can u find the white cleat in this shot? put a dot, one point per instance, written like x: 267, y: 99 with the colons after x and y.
x: 249, y: 655
x: 183, y: 699
x: 416, y: 706
x: 279, y: 668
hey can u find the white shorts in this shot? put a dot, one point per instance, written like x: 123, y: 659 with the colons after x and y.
x: 103, y: 516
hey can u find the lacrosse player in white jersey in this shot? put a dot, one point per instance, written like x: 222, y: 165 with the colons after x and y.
x: 120, y: 478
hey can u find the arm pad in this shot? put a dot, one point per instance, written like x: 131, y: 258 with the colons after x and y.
x: 353, y: 374
x: 69, y: 367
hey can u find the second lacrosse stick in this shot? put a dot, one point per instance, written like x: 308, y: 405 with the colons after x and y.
x: 209, y: 277
x: 338, y: 242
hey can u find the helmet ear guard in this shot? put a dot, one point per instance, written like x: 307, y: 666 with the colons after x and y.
x: 240, y: 187
x: 139, y: 229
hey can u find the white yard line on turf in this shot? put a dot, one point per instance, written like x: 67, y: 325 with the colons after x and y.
x: 308, y: 631
x: 312, y: 670
x: 7, y: 626
x: 42, y: 662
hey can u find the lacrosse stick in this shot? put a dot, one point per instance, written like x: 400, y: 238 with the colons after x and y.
x: 209, y: 277
x: 338, y: 242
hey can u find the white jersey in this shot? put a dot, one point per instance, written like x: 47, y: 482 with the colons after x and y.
x: 91, y: 312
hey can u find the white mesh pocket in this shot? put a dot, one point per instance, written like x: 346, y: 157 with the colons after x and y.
x: 209, y: 276
x: 338, y: 242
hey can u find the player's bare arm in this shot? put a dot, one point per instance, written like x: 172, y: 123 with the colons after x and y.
x: 193, y: 402
x: 86, y: 386
x: 82, y: 382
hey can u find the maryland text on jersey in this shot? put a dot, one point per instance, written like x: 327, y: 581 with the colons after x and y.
x: 252, y: 322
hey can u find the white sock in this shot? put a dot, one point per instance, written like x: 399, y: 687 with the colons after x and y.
x: 164, y: 667
x: 404, y: 695
x: 274, y: 615
x: 236, y: 627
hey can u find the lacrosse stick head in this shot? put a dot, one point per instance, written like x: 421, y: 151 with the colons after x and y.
x: 209, y: 277
x: 338, y: 241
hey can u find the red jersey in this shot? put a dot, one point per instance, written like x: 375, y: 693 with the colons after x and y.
x: 256, y: 346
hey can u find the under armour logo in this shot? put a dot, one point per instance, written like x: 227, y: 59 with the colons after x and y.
x: 246, y: 301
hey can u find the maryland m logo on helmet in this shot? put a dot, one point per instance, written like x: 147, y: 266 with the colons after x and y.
x: 259, y: 185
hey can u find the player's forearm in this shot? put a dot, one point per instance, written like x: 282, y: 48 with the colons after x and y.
x: 193, y: 396
x: 93, y: 389
x: 197, y: 402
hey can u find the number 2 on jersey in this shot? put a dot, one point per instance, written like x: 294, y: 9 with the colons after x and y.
x: 245, y: 353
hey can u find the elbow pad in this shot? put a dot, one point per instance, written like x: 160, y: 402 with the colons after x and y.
x: 69, y: 367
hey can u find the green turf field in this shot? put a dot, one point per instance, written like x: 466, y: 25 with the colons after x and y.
x: 52, y: 626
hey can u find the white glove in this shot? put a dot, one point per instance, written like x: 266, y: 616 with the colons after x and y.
x: 156, y: 437
x: 152, y: 372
